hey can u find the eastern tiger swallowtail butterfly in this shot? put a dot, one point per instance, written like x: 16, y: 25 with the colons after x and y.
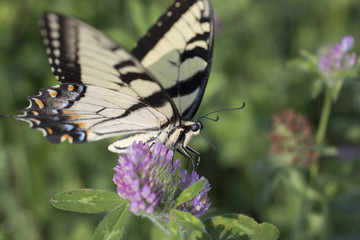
x: 149, y: 94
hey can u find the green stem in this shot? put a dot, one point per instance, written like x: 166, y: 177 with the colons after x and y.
x: 324, y: 119
x: 321, y: 132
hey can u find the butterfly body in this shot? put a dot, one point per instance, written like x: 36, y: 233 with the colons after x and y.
x: 148, y: 94
x: 171, y: 135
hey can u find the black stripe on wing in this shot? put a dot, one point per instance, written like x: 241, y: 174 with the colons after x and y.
x: 186, y: 92
x: 62, y: 42
x: 156, y: 32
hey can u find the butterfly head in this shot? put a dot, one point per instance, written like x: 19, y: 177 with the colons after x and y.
x: 189, y: 129
x: 196, y: 127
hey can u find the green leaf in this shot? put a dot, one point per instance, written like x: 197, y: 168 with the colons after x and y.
x: 237, y: 226
x: 190, y: 192
x: 309, y: 56
x: 175, y: 233
x: 316, y: 87
x: 188, y: 221
x: 113, y: 225
x: 307, y: 62
x: 301, y: 65
x: 195, y: 235
x: 87, y: 200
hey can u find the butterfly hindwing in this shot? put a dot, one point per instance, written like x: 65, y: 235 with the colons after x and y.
x: 81, y: 113
x: 44, y: 112
x: 177, y: 50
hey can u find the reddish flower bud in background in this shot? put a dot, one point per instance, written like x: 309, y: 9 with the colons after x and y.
x: 291, y: 138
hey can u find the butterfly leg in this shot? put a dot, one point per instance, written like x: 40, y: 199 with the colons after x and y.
x: 185, y: 152
x: 197, y: 156
x: 188, y: 156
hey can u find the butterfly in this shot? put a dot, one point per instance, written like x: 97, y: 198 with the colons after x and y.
x: 149, y: 94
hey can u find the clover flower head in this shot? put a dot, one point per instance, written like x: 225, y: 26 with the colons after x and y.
x: 291, y: 138
x: 144, y: 177
x: 200, y: 203
x: 338, y: 57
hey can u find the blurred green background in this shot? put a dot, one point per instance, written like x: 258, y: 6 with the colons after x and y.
x: 253, y: 43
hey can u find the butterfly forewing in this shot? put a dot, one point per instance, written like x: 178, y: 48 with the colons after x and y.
x: 104, y: 90
x: 78, y: 53
x: 177, y: 50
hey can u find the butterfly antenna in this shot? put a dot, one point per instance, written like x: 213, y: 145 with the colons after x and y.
x: 221, y: 110
x: 212, y: 145
x: 212, y: 119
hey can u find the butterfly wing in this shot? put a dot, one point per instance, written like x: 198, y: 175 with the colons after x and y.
x: 177, y: 50
x: 104, y: 91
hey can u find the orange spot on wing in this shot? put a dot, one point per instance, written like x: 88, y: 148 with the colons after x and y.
x: 90, y: 135
x: 71, y: 88
x: 36, y: 121
x: 80, y: 125
x: 49, y: 130
x: 39, y: 103
x: 35, y: 113
x: 69, y: 111
x: 74, y: 116
x: 52, y: 93
x: 68, y: 137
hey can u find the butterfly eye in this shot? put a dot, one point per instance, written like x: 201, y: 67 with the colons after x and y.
x: 195, y: 127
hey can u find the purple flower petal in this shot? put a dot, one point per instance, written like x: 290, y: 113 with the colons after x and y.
x: 338, y: 57
x: 143, y: 176
x: 347, y: 43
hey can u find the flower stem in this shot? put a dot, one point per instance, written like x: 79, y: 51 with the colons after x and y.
x: 321, y: 132
x: 324, y: 119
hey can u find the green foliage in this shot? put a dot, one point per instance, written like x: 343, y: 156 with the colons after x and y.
x: 181, y: 224
x: 188, y: 221
x: 174, y: 229
x: 190, y: 192
x: 112, y: 227
x: 236, y: 226
x: 95, y: 201
x: 87, y: 200
x: 229, y: 226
